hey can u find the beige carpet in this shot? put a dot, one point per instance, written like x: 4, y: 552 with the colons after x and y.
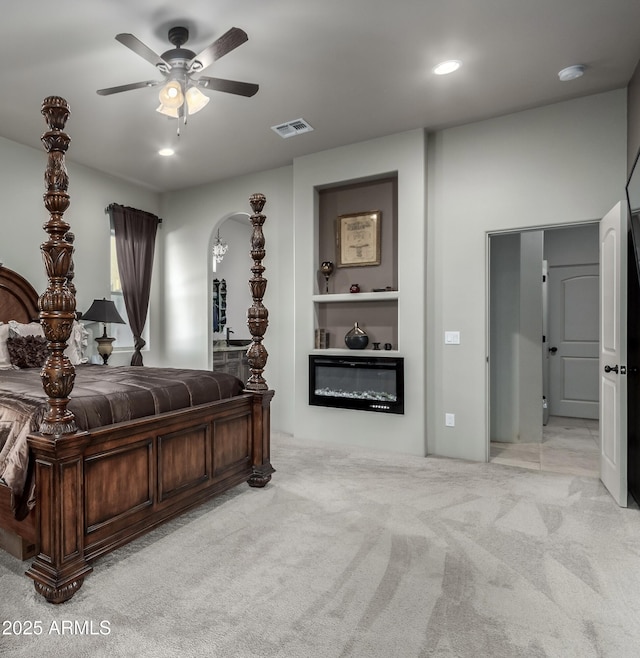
x: 360, y: 553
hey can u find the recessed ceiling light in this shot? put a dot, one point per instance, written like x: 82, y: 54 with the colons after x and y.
x: 571, y: 72
x: 166, y: 152
x: 449, y: 66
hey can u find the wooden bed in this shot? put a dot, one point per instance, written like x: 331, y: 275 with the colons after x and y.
x: 99, y: 489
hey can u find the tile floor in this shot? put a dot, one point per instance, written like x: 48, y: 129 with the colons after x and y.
x: 569, y: 445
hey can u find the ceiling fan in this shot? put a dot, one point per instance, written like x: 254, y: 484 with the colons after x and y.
x: 180, y: 94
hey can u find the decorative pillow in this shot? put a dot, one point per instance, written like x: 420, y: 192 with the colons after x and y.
x: 76, y: 345
x: 27, y: 351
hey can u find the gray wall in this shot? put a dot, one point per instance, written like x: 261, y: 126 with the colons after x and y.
x: 192, y: 218
x: 633, y: 118
x: 21, y: 189
x: 530, y: 356
x: 404, y: 155
x: 515, y: 356
x: 576, y: 245
x: 504, y: 277
x: 560, y: 164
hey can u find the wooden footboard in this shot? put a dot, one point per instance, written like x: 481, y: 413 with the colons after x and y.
x: 99, y: 490
x: 138, y: 477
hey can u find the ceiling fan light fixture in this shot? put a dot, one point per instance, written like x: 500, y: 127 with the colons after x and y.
x: 196, y: 100
x: 171, y: 112
x: 171, y: 95
x: 180, y: 93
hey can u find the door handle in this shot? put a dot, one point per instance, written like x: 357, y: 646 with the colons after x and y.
x: 553, y: 350
x: 611, y: 369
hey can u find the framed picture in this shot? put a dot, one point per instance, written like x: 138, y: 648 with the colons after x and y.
x: 358, y: 239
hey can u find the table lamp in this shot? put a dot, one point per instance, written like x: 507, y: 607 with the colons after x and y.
x: 105, y: 311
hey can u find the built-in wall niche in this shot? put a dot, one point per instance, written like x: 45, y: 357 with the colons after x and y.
x: 359, y: 197
x: 378, y: 317
x: 375, y: 307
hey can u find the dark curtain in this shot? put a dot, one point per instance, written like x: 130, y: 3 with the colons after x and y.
x: 135, y: 233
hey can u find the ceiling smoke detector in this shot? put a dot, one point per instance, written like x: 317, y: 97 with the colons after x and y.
x: 571, y: 72
x: 291, y: 128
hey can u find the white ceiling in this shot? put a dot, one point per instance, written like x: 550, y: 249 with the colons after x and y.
x: 354, y: 69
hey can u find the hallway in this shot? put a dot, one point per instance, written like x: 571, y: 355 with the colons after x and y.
x: 569, y: 445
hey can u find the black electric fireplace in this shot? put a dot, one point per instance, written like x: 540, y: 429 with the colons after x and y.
x: 357, y: 382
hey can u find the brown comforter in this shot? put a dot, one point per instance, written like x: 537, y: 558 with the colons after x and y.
x: 101, y: 396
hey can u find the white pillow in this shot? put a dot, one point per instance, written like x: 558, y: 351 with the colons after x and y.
x: 78, y: 341
x: 5, y: 362
x: 76, y: 345
x: 30, y: 329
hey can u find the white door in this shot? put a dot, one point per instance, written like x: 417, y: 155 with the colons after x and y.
x: 574, y: 340
x: 613, y: 352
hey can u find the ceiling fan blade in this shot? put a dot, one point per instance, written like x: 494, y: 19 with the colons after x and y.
x: 225, y: 44
x: 229, y: 86
x: 139, y: 48
x: 133, y: 85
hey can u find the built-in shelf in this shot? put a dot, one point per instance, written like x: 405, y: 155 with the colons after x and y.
x: 355, y: 297
x: 375, y: 312
x: 337, y: 312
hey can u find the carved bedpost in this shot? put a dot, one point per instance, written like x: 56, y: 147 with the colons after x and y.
x: 58, y: 303
x: 257, y: 321
x: 59, y: 569
x: 257, y: 315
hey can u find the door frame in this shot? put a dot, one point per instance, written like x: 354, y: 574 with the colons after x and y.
x: 546, y: 396
x: 488, y: 235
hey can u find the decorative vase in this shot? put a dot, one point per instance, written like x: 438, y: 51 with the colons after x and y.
x: 356, y: 338
x: 327, y: 270
x: 354, y: 288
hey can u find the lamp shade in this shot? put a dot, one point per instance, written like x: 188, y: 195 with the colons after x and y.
x: 168, y: 111
x: 171, y: 95
x: 196, y: 100
x: 103, y: 310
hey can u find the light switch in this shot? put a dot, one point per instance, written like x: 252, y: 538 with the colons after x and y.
x: 452, y: 338
x: 450, y: 420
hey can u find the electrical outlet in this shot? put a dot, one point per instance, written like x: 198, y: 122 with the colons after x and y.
x: 450, y: 420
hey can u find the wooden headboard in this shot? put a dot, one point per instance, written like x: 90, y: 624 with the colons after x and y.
x: 18, y: 298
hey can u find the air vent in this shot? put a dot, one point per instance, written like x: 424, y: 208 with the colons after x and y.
x: 291, y: 128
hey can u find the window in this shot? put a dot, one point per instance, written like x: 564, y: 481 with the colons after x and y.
x: 121, y: 332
